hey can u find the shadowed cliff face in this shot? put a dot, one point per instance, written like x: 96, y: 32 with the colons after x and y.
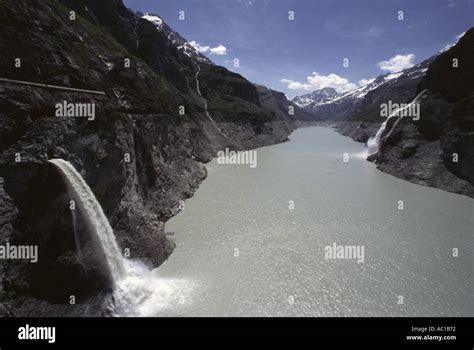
x: 455, y: 85
x: 140, y: 155
x: 437, y: 150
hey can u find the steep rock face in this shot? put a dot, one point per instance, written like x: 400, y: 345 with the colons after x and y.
x: 415, y: 150
x: 444, y: 135
x: 140, y: 155
x: 175, y: 38
x: 451, y: 75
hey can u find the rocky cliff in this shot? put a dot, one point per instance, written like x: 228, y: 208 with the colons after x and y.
x: 160, y: 113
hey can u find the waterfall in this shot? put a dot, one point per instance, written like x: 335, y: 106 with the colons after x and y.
x: 137, y: 290
x: 95, y: 216
x: 373, y: 143
x: 197, y: 83
x: 208, y: 115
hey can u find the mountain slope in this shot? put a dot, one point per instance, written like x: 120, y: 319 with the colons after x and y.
x: 316, y: 98
x: 356, y: 112
x: 175, y: 38
x: 442, y: 140
x: 140, y: 155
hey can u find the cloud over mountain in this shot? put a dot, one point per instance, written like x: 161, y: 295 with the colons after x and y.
x: 317, y: 81
x: 397, y: 63
x: 219, y: 50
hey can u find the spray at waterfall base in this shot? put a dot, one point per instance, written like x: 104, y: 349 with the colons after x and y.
x: 137, y: 291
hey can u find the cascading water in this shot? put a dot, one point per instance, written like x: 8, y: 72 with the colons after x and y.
x: 95, y: 215
x: 208, y: 115
x: 373, y: 143
x: 137, y: 291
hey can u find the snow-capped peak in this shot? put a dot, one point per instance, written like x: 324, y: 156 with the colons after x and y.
x: 394, y: 75
x: 317, y: 96
x: 156, y: 20
x: 175, y: 39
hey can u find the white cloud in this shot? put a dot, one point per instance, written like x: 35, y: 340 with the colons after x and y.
x: 397, y: 63
x: 363, y: 82
x: 317, y: 82
x: 218, y: 50
x: 199, y: 47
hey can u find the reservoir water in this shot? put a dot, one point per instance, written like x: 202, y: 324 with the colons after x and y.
x: 241, y: 250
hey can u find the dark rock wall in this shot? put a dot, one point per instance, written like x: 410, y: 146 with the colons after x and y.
x: 437, y: 150
x: 136, y: 118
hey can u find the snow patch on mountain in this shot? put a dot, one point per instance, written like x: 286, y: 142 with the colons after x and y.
x: 318, y: 96
x: 175, y: 39
x: 156, y: 20
x: 393, y: 75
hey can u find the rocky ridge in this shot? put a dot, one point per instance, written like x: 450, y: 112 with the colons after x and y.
x: 141, y: 155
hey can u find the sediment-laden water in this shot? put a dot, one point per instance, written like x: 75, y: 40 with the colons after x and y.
x: 242, y: 252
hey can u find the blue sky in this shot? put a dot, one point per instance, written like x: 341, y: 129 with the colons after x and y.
x: 307, y: 53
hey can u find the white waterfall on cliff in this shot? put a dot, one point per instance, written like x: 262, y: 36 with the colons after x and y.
x: 95, y: 215
x: 373, y: 143
x: 208, y: 115
x: 137, y: 290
